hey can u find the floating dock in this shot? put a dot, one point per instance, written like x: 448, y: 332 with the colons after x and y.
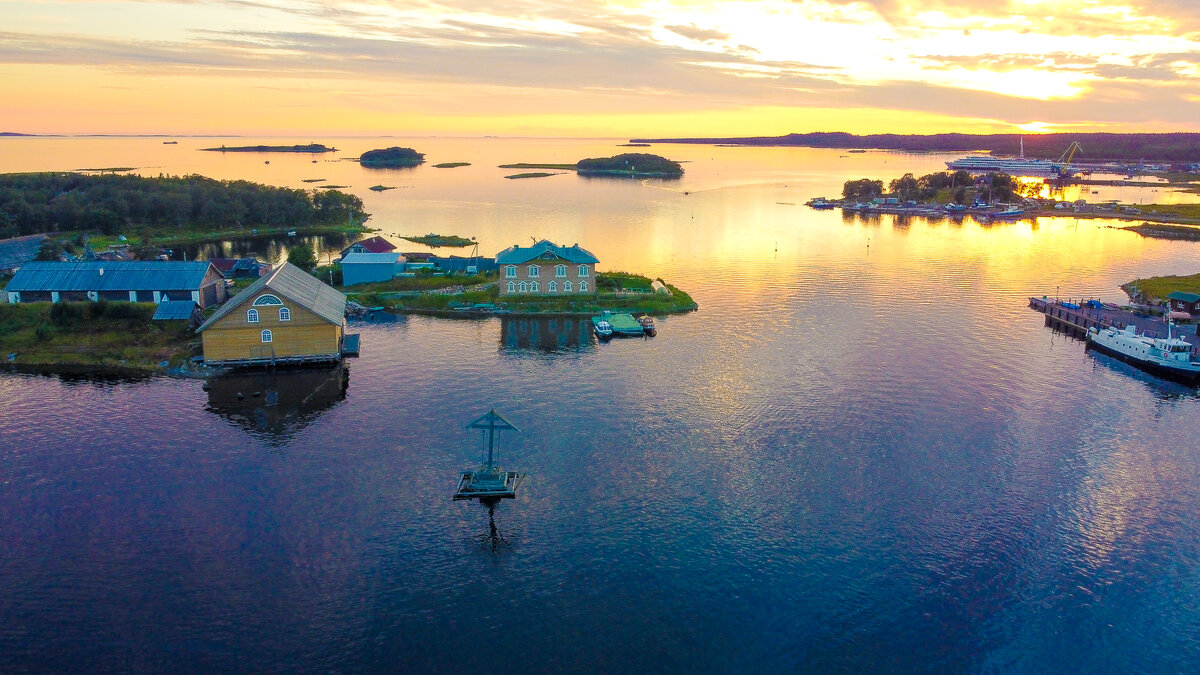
x: 1077, y: 319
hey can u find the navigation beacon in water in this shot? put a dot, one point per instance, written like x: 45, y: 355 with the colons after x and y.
x: 489, y: 483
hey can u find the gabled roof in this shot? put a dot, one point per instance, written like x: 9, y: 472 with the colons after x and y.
x: 373, y: 245
x: 227, y: 265
x: 20, y: 250
x: 1186, y: 297
x: 136, y: 275
x: 372, y: 258
x: 515, y: 255
x: 174, y: 310
x: 297, y: 286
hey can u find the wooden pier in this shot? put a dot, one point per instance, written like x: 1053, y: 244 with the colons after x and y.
x: 1077, y: 320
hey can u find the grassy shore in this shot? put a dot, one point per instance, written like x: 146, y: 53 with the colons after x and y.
x: 1156, y: 289
x: 117, y: 335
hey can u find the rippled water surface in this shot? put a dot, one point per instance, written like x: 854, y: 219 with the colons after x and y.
x: 863, y: 453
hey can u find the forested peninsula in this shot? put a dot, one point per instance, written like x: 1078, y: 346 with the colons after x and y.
x: 32, y: 203
x: 1095, y: 146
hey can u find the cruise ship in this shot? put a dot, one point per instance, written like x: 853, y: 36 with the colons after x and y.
x: 1013, y: 166
x: 1169, y: 356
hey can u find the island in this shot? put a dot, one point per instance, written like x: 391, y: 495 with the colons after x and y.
x: 311, y: 148
x: 440, y: 240
x: 391, y: 158
x: 633, y: 164
x: 381, y: 188
x: 532, y: 174
x: 451, y: 165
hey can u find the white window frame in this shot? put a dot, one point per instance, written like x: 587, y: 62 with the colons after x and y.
x: 553, y: 287
x: 583, y: 270
x: 252, y: 316
x: 512, y: 287
x: 267, y: 299
x: 285, y: 314
x: 560, y: 271
x: 535, y: 271
x: 533, y: 287
x: 583, y: 286
x: 267, y: 336
x: 524, y: 287
x: 567, y: 286
x: 510, y: 272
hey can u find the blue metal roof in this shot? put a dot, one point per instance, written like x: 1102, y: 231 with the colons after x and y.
x: 19, y: 250
x: 142, y: 275
x: 371, y: 258
x: 1186, y: 297
x: 515, y: 255
x: 174, y: 310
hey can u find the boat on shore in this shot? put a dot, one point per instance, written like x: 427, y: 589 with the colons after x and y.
x: 1169, y: 357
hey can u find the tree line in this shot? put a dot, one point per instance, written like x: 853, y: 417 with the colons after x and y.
x: 32, y: 203
x: 993, y: 187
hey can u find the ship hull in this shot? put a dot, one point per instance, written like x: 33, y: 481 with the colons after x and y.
x: 1153, y: 367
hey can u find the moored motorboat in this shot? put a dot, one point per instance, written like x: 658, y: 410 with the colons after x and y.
x: 602, y: 327
x: 1170, y: 356
x: 647, y: 322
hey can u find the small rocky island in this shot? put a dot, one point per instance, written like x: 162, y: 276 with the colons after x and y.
x: 633, y: 164
x: 391, y: 158
x: 311, y: 148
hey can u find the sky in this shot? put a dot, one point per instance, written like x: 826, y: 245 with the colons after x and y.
x: 617, y: 68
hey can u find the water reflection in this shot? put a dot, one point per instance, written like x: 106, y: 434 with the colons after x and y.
x: 270, y: 248
x: 1161, y: 388
x: 546, y: 335
x: 274, y: 405
x: 494, y: 540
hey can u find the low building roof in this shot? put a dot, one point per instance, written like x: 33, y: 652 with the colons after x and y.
x: 20, y: 250
x: 130, y: 275
x: 297, y: 286
x: 174, y: 310
x: 374, y: 244
x: 372, y: 258
x: 1186, y: 297
x: 516, y: 255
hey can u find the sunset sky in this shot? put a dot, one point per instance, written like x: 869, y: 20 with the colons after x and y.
x: 622, y: 68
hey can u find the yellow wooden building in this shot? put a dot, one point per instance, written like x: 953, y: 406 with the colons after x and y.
x: 287, y: 316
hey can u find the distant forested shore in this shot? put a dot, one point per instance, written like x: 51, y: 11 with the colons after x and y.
x: 32, y: 203
x: 1175, y: 147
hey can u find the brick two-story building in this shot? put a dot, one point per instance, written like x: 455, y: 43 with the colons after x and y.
x: 546, y: 269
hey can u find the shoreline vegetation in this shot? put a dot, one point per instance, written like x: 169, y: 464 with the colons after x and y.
x: 167, y: 209
x: 451, y: 165
x: 627, y: 165
x: 441, y: 240
x: 311, y: 148
x: 1097, y: 146
x: 1154, y: 290
x: 391, y: 158
x: 478, y: 295
x: 93, y: 335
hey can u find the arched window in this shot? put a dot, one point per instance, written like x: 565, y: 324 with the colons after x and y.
x: 534, y: 271
x: 553, y: 287
x: 285, y: 314
x: 567, y: 286
x: 252, y: 316
x: 266, y: 336
x: 533, y: 287
x: 512, y: 287
x: 510, y: 272
x: 560, y: 271
x: 583, y: 271
x: 583, y: 287
x: 267, y: 299
x: 524, y: 287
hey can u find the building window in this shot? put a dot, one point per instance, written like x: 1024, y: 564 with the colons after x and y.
x: 583, y: 287
x: 267, y: 299
x: 524, y: 287
x: 583, y: 270
x: 512, y: 287
x: 533, y: 287
x: 252, y: 316
x: 285, y: 314
x: 567, y: 286
x: 266, y: 336
x: 560, y: 271
x: 553, y: 287
x: 510, y: 272
x: 534, y: 271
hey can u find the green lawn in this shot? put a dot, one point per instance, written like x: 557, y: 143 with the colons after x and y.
x: 1159, y: 288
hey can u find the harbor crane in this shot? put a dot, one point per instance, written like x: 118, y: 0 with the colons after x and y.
x: 1068, y: 155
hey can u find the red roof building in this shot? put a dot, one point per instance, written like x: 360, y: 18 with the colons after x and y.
x: 371, y: 245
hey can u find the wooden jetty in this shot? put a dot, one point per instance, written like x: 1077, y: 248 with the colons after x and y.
x: 1076, y: 319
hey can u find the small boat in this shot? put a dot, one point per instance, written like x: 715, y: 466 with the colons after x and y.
x: 1010, y: 213
x: 1170, y: 356
x: 602, y: 327
x: 820, y: 203
x: 647, y: 322
x: 291, y: 233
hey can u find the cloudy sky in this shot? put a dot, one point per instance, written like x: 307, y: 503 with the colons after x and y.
x: 598, y: 68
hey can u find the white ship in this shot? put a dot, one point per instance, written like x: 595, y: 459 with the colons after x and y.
x: 1169, y: 356
x: 1013, y: 166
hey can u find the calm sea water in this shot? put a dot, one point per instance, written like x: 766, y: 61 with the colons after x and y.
x: 864, y: 453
